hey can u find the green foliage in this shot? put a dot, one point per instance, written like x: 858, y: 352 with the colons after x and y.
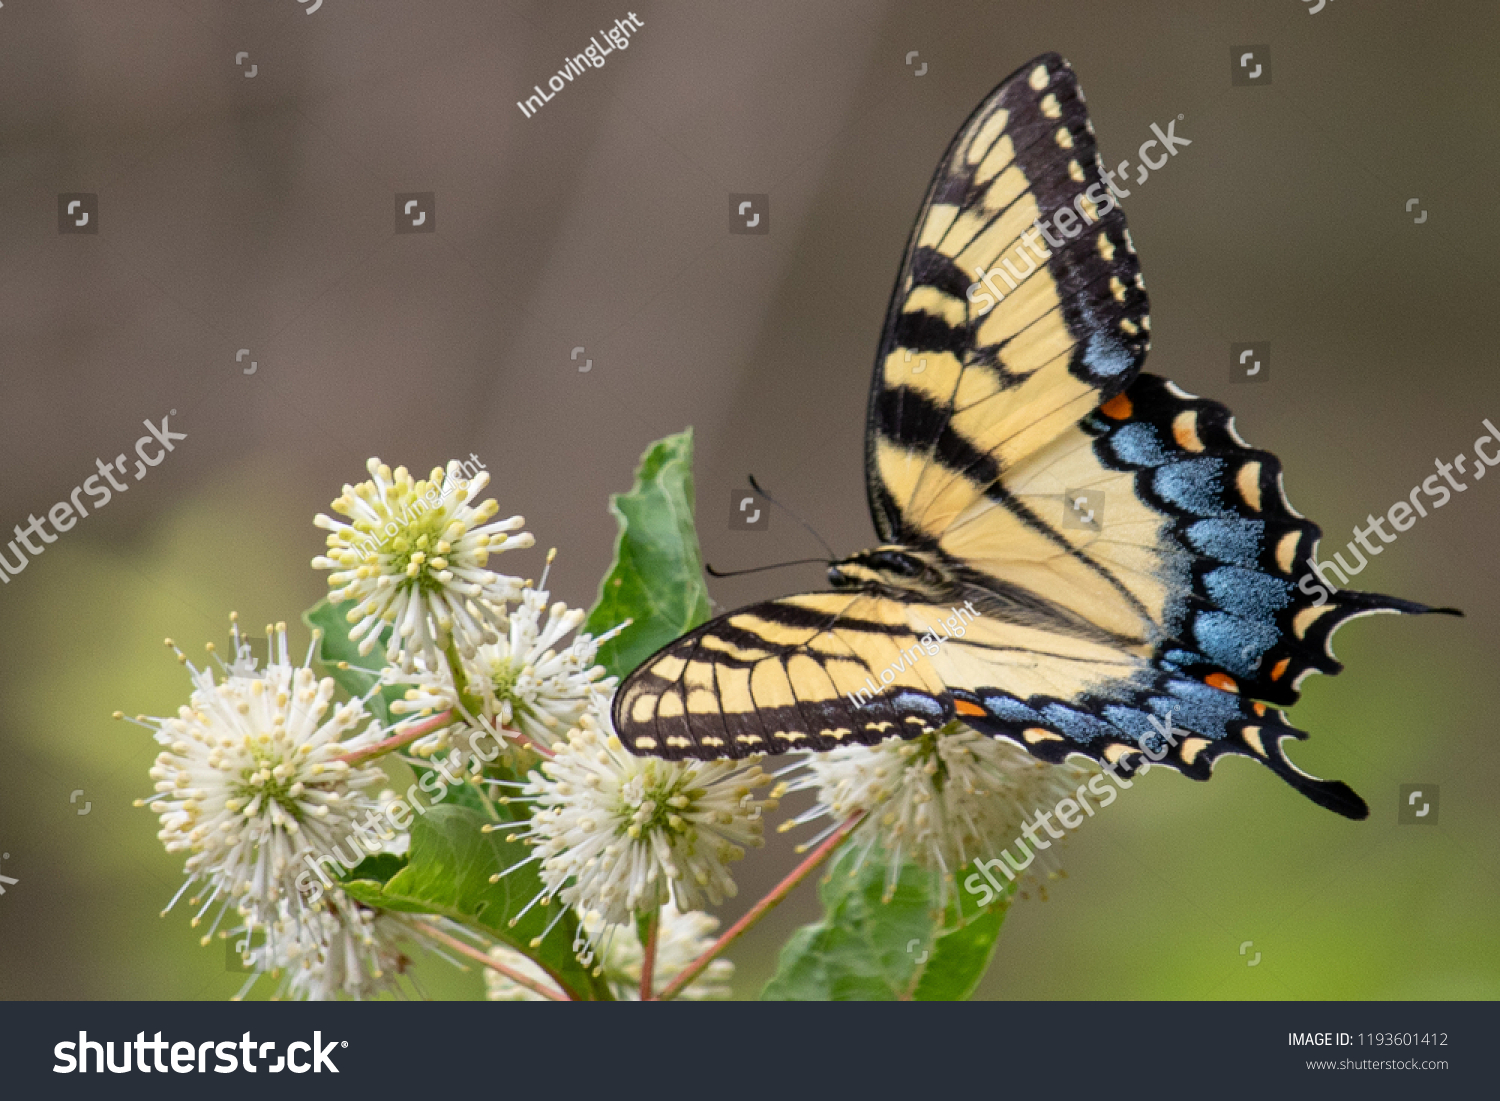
x: 961, y: 956
x: 448, y: 873
x: 871, y: 946
x: 657, y: 577
x: 378, y: 868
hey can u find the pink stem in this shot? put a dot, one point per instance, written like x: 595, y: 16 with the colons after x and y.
x: 396, y: 741
x: 648, y: 956
x: 482, y: 957
x: 761, y: 908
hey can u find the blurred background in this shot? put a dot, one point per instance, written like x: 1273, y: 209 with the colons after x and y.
x: 256, y: 212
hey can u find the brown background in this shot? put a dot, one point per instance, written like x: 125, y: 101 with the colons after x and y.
x: 257, y: 213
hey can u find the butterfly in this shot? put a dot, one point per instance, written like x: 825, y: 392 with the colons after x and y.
x: 1074, y: 556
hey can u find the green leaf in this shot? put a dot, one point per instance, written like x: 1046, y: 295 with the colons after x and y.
x: 657, y: 577
x: 870, y: 949
x: 377, y: 868
x: 960, y: 957
x: 448, y: 873
x: 340, y: 658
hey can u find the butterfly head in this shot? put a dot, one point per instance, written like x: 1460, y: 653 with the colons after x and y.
x: 901, y: 572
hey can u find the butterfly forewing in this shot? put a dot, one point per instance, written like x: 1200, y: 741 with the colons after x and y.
x: 997, y: 340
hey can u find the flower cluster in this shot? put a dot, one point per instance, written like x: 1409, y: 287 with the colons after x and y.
x: 525, y: 683
x: 617, y: 834
x: 263, y: 776
x: 250, y: 779
x: 331, y: 947
x: 939, y: 800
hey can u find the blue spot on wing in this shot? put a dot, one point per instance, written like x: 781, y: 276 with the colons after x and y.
x: 1003, y: 707
x: 1195, y: 486
x: 1131, y: 721
x: 915, y: 701
x: 1179, y: 658
x: 1247, y: 593
x: 1200, y: 708
x: 1235, y: 541
x: 1080, y: 727
x: 1107, y: 355
x: 1233, y: 643
x: 1138, y: 444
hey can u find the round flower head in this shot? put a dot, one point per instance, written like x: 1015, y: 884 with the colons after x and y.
x: 524, y: 682
x: 530, y: 685
x: 249, y: 780
x: 938, y: 800
x: 334, y: 947
x: 414, y: 556
x: 617, y: 834
x: 680, y: 940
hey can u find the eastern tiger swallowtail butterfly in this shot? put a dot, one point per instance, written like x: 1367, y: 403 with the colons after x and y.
x: 995, y: 410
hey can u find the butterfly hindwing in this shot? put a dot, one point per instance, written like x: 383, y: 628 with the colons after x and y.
x: 1246, y: 612
x: 1064, y: 696
x: 821, y: 670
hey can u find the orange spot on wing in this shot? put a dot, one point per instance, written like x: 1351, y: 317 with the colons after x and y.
x: 1117, y: 408
x: 1223, y: 681
x: 1280, y: 670
x: 1260, y: 709
x: 964, y: 707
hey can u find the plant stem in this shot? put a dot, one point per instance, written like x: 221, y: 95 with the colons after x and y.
x: 761, y: 908
x: 396, y: 741
x: 648, y: 954
x: 481, y: 957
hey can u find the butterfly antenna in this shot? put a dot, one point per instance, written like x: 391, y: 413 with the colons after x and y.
x: 808, y: 527
x: 761, y: 569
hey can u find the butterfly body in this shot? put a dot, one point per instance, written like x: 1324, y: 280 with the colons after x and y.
x: 901, y: 573
x: 1074, y: 556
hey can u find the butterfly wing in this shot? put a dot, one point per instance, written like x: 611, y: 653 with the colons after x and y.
x: 1194, y: 537
x: 998, y: 338
x: 777, y: 676
x: 821, y: 670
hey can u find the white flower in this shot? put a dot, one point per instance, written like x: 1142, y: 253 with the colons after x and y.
x: 681, y: 939
x: 525, y: 681
x: 938, y: 800
x: 528, y: 683
x: 337, y: 946
x: 617, y: 834
x: 414, y: 556
x: 249, y: 781
x: 428, y: 692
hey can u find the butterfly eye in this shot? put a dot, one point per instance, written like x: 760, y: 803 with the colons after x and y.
x: 896, y: 562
